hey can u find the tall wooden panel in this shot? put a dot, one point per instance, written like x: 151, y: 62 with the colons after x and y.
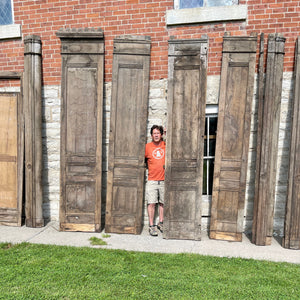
x: 232, y: 145
x: 128, y: 125
x: 292, y: 219
x: 81, y: 129
x: 11, y: 159
x: 185, y: 139
x: 33, y: 130
x: 260, y: 98
x: 265, y: 181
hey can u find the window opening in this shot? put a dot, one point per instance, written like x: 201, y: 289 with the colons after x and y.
x: 203, y: 3
x: 211, y: 120
x: 6, y: 12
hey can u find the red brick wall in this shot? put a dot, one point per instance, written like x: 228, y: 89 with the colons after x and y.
x: 139, y: 17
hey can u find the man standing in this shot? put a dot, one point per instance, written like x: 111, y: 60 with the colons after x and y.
x: 155, y: 159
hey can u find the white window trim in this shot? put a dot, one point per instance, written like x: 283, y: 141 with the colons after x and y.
x: 10, y: 31
x: 206, y: 14
x: 211, y: 109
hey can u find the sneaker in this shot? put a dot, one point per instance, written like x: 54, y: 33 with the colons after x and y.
x: 152, y: 230
x: 160, y: 226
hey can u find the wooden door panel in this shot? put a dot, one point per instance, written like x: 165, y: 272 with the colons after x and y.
x: 129, y: 98
x: 81, y: 132
x: 80, y: 148
x: 11, y: 150
x: 185, y: 130
x: 184, y: 153
x: 123, y: 193
x: 236, y: 90
x: 128, y: 125
x: 8, y: 186
x: 8, y: 152
x: 81, y: 110
x: 234, y: 111
x: 78, y: 198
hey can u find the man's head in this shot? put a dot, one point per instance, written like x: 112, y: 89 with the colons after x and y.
x: 156, y: 133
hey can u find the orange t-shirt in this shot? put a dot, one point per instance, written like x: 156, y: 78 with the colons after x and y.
x: 155, y: 156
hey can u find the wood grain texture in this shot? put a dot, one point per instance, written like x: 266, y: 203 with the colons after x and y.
x: 262, y: 228
x: 185, y: 139
x: 232, y: 144
x: 11, y: 159
x: 33, y: 131
x: 292, y: 218
x: 81, y: 129
x: 128, y: 125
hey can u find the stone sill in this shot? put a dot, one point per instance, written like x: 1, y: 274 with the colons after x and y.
x: 10, y: 31
x: 206, y: 14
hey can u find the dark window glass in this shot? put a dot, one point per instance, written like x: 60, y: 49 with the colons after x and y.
x: 209, y: 153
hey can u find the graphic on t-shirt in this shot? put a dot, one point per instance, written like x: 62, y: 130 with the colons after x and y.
x: 158, y: 153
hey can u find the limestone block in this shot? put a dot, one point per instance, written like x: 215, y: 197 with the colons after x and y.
x: 51, y: 92
x: 212, y: 92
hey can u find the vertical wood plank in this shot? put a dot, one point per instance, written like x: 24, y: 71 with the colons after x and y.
x: 292, y: 218
x: 185, y: 139
x: 33, y: 131
x: 128, y: 125
x: 81, y: 129
x: 262, y: 228
x: 232, y: 144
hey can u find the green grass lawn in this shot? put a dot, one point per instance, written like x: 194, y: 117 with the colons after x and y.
x: 29, y: 271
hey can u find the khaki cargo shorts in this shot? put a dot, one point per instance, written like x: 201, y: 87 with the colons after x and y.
x: 155, y: 192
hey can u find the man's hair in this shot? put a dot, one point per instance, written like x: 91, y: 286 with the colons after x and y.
x: 160, y: 128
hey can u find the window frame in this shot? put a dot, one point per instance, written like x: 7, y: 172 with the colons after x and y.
x: 181, y: 16
x: 177, y: 4
x: 10, y: 31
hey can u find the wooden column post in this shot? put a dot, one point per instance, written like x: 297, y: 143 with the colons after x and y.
x: 33, y: 131
x: 292, y: 218
x: 262, y: 229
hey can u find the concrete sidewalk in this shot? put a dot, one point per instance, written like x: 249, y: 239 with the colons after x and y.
x: 245, y: 249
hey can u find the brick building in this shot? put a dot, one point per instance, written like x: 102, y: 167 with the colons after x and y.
x: 162, y: 21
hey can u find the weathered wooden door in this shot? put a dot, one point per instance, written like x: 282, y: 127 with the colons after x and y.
x: 266, y: 158
x: 11, y: 159
x: 81, y: 129
x: 185, y: 138
x: 232, y: 145
x: 292, y: 218
x: 128, y: 126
